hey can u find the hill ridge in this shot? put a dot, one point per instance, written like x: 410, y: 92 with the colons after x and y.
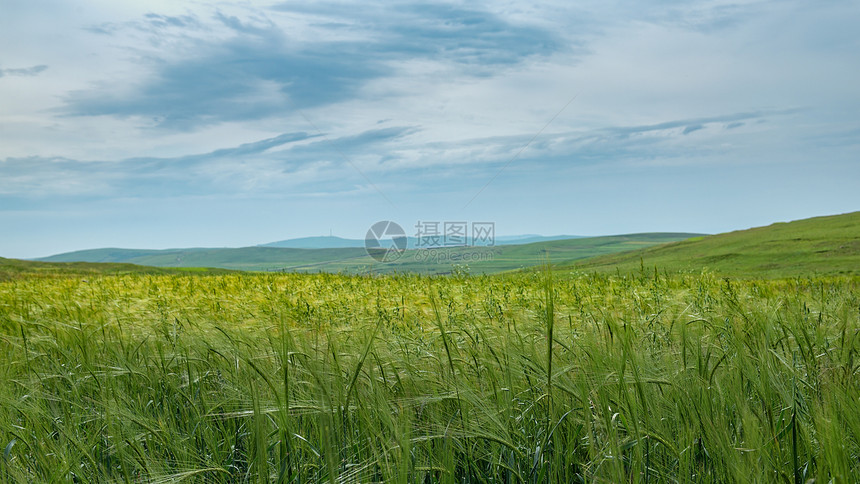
x: 356, y: 260
x: 828, y: 244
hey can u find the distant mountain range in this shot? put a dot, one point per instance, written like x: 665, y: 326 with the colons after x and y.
x: 334, y: 242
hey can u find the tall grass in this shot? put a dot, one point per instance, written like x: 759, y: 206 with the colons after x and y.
x: 526, y: 378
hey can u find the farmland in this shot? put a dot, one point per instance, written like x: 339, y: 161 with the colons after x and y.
x: 545, y: 376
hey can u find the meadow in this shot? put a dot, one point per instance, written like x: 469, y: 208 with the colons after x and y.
x: 538, y: 376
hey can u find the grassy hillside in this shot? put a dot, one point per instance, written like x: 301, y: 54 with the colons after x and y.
x: 333, y: 242
x: 820, y: 245
x: 504, y: 258
x: 246, y: 258
x: 14, y: 268
x: 355, y: 260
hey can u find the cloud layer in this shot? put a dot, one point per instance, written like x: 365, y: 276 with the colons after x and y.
x: 337, y: 114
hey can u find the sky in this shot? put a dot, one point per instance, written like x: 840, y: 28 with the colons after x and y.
x: 165, y: 124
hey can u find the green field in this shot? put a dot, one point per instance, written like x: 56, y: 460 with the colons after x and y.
x: 124, y: 373
x: 356, y: 261
x: 821, y: 245
x: 517, y: 378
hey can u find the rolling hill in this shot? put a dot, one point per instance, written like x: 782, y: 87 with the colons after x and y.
x: 333, y: 242
x: 355, y: 260
x: 15, y: 268
x: 245, y: 258
x: 827, y: 245
x: 321, y: 242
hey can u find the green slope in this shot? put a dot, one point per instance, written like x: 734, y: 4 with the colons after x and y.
x: 490, y: 260
x: 821, y: 245
x: 245, y: 258
x: 108, y: 255
x: 14, y: 268
x: 355, y: 260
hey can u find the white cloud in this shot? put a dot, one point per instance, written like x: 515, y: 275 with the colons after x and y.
x: 460, y: 88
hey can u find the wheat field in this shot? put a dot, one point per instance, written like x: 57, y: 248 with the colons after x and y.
x: 533, y: 377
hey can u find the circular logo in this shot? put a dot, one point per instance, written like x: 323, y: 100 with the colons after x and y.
x: 385, y: 241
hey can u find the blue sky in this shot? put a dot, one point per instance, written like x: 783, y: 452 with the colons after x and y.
x: 176, y: 124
